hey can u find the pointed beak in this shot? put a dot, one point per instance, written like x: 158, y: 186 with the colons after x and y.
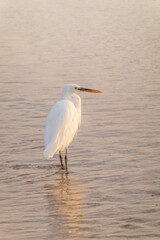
x: 88, y: 90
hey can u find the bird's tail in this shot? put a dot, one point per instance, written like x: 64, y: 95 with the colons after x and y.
x: 49, y: 151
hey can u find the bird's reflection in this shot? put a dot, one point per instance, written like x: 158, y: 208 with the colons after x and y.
x: 65, y: 201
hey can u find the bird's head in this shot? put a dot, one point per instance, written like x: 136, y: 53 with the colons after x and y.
x: 69, y: 89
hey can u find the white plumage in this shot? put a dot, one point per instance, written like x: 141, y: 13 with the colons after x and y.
x: 63, y: 121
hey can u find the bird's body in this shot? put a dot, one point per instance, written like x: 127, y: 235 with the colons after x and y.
x: 62, y: 125
x: 63, y: 122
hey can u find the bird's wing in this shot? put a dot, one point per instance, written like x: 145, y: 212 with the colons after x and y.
x: 61, y: 126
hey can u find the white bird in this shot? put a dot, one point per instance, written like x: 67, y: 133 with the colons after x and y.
x: 63, y: 122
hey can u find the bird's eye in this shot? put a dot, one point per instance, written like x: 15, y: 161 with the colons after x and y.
x: 77, y: 88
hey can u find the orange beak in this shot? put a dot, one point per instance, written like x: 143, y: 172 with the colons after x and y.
x: 88, y: 90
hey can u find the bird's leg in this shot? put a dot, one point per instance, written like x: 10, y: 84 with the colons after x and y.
x: 66, y: 159
x: 61, y: 159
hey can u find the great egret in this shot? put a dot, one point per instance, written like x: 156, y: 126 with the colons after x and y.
x: 63, y: 122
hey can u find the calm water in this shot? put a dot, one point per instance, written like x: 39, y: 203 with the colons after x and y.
x: 112, y: 190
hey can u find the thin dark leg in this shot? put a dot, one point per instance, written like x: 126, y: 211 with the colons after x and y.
x: 66, y: 159
x: 61, y: 159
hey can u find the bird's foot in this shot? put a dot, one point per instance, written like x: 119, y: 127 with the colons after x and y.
x: 62, y: 167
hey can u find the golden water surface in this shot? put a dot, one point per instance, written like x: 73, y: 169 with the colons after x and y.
x: 112, y: 190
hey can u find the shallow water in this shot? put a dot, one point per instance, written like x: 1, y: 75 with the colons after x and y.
x: 112, y: 189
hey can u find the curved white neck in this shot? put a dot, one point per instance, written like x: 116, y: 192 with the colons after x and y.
x: 76, y: 101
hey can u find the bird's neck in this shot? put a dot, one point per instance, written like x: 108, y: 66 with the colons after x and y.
x: 76, y: 100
